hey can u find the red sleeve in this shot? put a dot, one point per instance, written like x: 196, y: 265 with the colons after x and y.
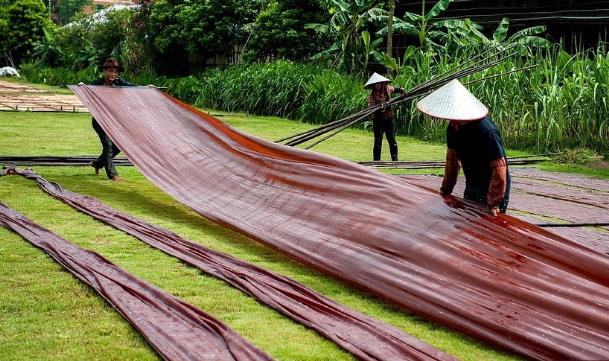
x: 451, y: 172
x: 496, y: 190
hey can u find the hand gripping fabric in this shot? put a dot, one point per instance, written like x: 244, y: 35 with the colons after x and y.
x: 175, y: 329
x: 502, y: 280
x: 363, y: 336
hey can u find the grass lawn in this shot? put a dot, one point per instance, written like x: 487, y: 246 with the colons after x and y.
x: 46, y: 314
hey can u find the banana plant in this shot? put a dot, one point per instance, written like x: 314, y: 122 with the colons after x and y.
x: 468, y: 33
x: 419, y: 25
x: 348, y: 26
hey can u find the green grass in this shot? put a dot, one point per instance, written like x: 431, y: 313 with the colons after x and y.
x: 597, y: 172
x: 45, y: 314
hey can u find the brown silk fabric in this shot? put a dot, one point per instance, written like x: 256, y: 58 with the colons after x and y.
x: 174, y: 328
x: 544, y: 197
x: 365, y: 337
x: 500, y: 279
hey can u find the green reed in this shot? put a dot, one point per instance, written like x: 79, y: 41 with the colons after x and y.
x: 561, y: 103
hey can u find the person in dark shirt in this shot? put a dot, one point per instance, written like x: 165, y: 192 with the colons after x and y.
x: 383, y: 121
x: 111, y: 71
x: 474, y: 143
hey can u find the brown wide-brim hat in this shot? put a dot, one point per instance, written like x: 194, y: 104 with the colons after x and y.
x: 453, y: 102
x: 111, y: 63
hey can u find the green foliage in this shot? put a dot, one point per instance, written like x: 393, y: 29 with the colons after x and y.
x: 56, y: 76
x: 274, y: 89
x: 562, y: 103
x: 66, y: 9
x: 466, y: 33
x: 421, y: 25
x: 284, y: 89
x: 578, y: 156
x: 174, y: 30
x: 22, y: 28
x: 279, y: 31
x: 86, y: 43
x: 348, y: 25
x: 4, y: 34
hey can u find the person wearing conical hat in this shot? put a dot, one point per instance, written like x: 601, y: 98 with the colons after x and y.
x: 474, y: 142
x: 383, y: 121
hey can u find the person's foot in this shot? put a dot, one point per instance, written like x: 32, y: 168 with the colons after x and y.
x: 117, y: 179
x: 92, y: 164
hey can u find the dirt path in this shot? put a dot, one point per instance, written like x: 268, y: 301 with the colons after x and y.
x: 23, y: 97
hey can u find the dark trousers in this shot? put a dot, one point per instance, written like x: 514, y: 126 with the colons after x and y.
x: 479, y: 196
x: 384, y: 125
x: 109, y: 151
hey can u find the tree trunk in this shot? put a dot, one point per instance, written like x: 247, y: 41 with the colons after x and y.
x: 391, y: 4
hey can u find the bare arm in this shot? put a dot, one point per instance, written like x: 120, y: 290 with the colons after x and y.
x: 496, y: 190
x: 451, y: 172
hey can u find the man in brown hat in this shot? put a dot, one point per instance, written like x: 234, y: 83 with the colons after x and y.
x: 383, y: 121
x: 111, y: 70
x: 474, y: 143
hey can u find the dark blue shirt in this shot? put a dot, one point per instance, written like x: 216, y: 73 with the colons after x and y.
x: 477, y: 144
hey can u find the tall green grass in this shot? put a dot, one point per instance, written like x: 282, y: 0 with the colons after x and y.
x: 56, y: 76
x: 562, y: 103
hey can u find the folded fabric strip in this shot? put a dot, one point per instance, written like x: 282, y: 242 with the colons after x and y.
x: 174, y: 328
x: 363, y: 336
x: 502, y: 280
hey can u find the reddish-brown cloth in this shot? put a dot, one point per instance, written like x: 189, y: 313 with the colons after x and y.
x: 365, y: 337
x: 500, y: 279
x: 174, y: 328
x: 537, y: 196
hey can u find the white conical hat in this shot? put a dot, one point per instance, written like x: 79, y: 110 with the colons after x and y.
x: 376, y: 78
x: 453, y: 102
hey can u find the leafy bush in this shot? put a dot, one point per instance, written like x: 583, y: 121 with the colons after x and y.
x: 279, y: 31
x: 57, y: 76
x: 179, y: 33
x: 88, y: 42
x: 23, y: 26
x: 579, y: 156
x: 67, y: 9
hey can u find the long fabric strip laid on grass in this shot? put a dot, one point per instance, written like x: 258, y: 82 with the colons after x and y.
x: 365, y: 337
x: 501, y: 280
x: 174, y: 328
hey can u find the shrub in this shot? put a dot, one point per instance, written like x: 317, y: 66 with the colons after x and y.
x: 579, y: 156
x: 57, y: 76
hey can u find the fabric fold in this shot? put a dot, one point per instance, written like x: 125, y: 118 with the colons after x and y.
x: 174, y: 328
x: 363, y: 336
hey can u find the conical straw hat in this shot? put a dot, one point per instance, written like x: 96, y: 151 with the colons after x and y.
x: 453, y: 102
x: 376, y: 78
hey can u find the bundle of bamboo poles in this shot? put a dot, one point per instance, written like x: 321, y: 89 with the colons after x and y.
x: 482, y: 61
x: 432, y: 164
x: 31, y: 160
